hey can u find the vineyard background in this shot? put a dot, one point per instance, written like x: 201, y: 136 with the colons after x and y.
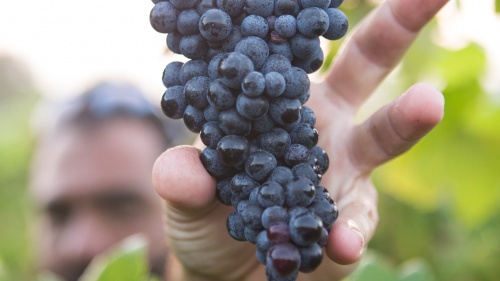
x: 439, y: 203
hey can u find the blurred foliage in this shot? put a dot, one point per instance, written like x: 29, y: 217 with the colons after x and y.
x: 377, y: 267
x: 438, y: 203
x: 16, y: 100
x: 127, y: 262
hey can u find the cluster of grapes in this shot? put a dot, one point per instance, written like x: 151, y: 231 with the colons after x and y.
x: 243, y: 89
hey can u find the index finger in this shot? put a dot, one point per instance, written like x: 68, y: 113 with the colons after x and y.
x: 377, y: 45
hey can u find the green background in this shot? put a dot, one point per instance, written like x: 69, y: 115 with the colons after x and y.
x: 438, y: 203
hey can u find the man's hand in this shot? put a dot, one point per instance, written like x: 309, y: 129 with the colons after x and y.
x: 200, y: 247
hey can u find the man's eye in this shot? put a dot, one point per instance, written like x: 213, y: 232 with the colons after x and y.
x: 58, y: 213
x: 123, y: 209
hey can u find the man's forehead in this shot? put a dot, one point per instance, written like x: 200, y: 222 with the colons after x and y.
x: 80, y: 165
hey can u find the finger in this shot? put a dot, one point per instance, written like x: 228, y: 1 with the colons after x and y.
x: 377, y: 45
x: 196, y: 222
x: 355, y: 225
x: 396, y: 127
x: 181, y: 180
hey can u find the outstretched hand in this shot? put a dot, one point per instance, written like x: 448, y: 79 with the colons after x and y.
x: 196, y: 231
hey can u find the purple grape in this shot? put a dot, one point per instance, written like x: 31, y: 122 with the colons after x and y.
x: 163, y: 17
x: 299, y: 192
x: 271, y: 194
x: 215, y: 25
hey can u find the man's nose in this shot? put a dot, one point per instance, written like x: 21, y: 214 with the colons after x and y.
x: 85, y: 237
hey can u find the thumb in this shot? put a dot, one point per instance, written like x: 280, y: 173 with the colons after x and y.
x: 181, y: 180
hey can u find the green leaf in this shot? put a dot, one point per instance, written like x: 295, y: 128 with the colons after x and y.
x: 497, y: 6
x: 416, y: 270
x: 127, y: 262
x: 47, y: 276
x: 374, y: 267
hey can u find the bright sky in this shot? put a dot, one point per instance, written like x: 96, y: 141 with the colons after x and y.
x: 69, y: 44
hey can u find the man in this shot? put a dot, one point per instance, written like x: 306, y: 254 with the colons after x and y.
x: 196, y: 222
x: 92, y: 178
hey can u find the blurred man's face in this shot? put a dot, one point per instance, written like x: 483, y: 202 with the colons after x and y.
x: 94, y: 189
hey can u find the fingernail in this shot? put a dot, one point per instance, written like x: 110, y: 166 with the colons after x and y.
x: 354, y: 227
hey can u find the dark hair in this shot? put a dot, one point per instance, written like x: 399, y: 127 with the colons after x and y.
x: 109, y: 100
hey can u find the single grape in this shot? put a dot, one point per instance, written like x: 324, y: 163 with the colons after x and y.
x: 338, y: 24
x: 211, y: 134
x: 322, y: 158
x: 194, y: 119
x: 232, y: 7
x: 235, y: 226
x: 191, y: 69
x: 163, y: 17
x: 223, y: 191
x: 253, y: 84
x: 252, y: 108
x: 278, y: 233
x: 170, y: 75
x: 305, y: 229
x: 233, y: 150
x: 326, y: 210
x: 274, y: 84
x: 281, y: 175
x: 233, y: 67
x: 286, y: 26
x: 196, y: 90
x: 271, y: 194
x: 312, y: 22
x: 212, y: 162
x: 211, y: 113
x: 312, y: 63
x: 274, y: 214
x: 307, y: 116
x: 193, y: 46
x: 184, y: 4
x: 173, y: 102
x: 286, y: 7
x: 241, y: 187
x: 232, y: 39
x: 303, y: 47
x: 232, y: 123
x: 310, y: 257
x: 173, y: 42
x: 276, y: 63
x: 255, y: 48
x: 284, y: 259
x: 299, y: 192
x: 323, y: 4
x: 215, y: 25
x: 187, y: 22
x: 297, y: 83
x: 308, y: 170
x: 296, y: 154
x: 281, y: 48
x: 205, y: 5
x: 260, y: 164
x: 254, y: 25
x: 251, y: 216
x: 277, y: 142
x: 336, y: 3
x: 263, y: 8
x: 304, y: 134
x: 262, y: 125
x: 285, y: 111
